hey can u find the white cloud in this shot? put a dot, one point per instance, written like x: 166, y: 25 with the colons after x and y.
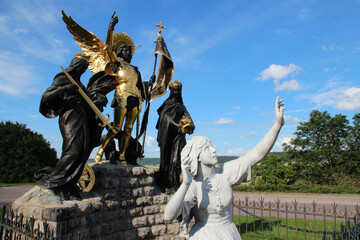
x: 279, y: 143
x: 282, y: 31
x: 255, y: 108
x: 305, y: 14
x: 347, y: 98
x: 15, y: 79
x: 236, y: 151
x: 33, y: 33
x: 278, y: 72
x: 332, y: 47
x: 150, y: 142
x: 253, y: 134
x: 236, y: 107
x: 292, y: 85
x: 290, y: 119
x: 224, y: 121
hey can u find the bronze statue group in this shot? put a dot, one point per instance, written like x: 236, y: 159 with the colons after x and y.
x: 205, y: 192
x: 81, y: 125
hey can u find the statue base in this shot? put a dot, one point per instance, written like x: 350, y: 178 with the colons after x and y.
x: 123, y: 204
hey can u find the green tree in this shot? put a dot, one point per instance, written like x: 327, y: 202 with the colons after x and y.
x: 351, y: 164
x: 22, y: 152
x: 319, y: 148
x: 274, y: 173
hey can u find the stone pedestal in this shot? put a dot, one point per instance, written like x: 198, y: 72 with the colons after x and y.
x: 123, y: 204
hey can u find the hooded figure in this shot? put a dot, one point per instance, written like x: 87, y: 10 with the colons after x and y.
x: 171, y: 137
x: 78, y: 125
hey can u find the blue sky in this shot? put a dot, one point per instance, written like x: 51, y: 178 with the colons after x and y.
x: 233, y: 57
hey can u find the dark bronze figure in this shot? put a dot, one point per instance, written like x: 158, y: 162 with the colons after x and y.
x: 78, y: 124
x: 174, y: 122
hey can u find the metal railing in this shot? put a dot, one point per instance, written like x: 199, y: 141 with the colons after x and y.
x: 276, y: 220
x: 15, y: 227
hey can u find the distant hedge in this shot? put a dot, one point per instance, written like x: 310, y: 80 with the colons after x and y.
x: 22, y: 152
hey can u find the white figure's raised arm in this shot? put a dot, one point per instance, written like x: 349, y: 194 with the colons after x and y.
x: 260, y: 151
x: 174, y: 207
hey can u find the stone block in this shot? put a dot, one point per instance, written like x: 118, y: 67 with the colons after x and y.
x: 146, y: 181
x: 95, y: 232
x: 158, y: 230
x: 130, y: 234
x: 107, y: 228
x: 162, y: 208
x: 151, y: 209
x: 114, y: 236
x: 160, y: 199
x: 59, y: 212
x: 57, y: 225
x: 137, y: 192
x: 123, y: 192
x: 85, y: 207
x: 122, y: 225
x: 151, y: 219
x: 173, y: 229
x: 121, y: 213
x: 140, y: 221
x: 29, y: 211
x: 146, y: 200
x: 144, y: 232
x: 125, y: 203
x: 97, y: 205
x: 114, y: 183
x: 91, y: 219
x: 83, y: 221
x: 112, y: 205
x: 109, y: 194
x: 137, y: 171
x: 129, y: 182
x: 122, y: 171
x: 149, y: 190
x: 149, y: 171
x: 159, y: 219
x: 74, y: 223
x: 101, y: 217
x: 135, y: 212
x: 112, y: 215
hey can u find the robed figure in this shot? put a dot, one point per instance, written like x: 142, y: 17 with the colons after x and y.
x: 174, y: 122
x: 78, y: 124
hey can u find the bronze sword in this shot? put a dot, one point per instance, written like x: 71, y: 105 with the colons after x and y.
x: 105, y: 121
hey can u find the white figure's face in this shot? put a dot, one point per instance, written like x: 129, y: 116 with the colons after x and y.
x: 208, y: 155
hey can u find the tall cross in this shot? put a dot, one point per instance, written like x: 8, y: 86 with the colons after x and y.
x: 160, y: 26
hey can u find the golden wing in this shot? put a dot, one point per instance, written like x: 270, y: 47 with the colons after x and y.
x: 90, y: 44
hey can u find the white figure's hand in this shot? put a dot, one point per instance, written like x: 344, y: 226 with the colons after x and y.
x: 279, y: 111
x: 187, y: 174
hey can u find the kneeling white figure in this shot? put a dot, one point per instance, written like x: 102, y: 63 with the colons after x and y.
x: 206, y: 191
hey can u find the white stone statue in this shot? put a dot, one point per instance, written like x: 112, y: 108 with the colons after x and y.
x: 206, y: 191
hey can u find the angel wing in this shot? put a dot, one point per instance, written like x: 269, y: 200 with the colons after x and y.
x: 92, y: 46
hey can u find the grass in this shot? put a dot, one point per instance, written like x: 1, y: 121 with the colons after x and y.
x: 263, y: 230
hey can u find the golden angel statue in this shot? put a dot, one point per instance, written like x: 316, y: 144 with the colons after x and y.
x: 113, y: 59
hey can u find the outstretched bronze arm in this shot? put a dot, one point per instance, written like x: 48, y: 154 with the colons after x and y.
x: 109, y: 39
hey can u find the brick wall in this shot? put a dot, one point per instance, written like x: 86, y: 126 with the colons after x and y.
x: 123, y: 204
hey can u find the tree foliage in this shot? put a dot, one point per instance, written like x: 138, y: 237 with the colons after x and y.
x: 325, y: 147
x: 22, y: 152
x: 273, y: 173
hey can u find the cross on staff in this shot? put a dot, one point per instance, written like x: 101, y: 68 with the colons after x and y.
x: 159, y: 32
x: 160, y: 26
